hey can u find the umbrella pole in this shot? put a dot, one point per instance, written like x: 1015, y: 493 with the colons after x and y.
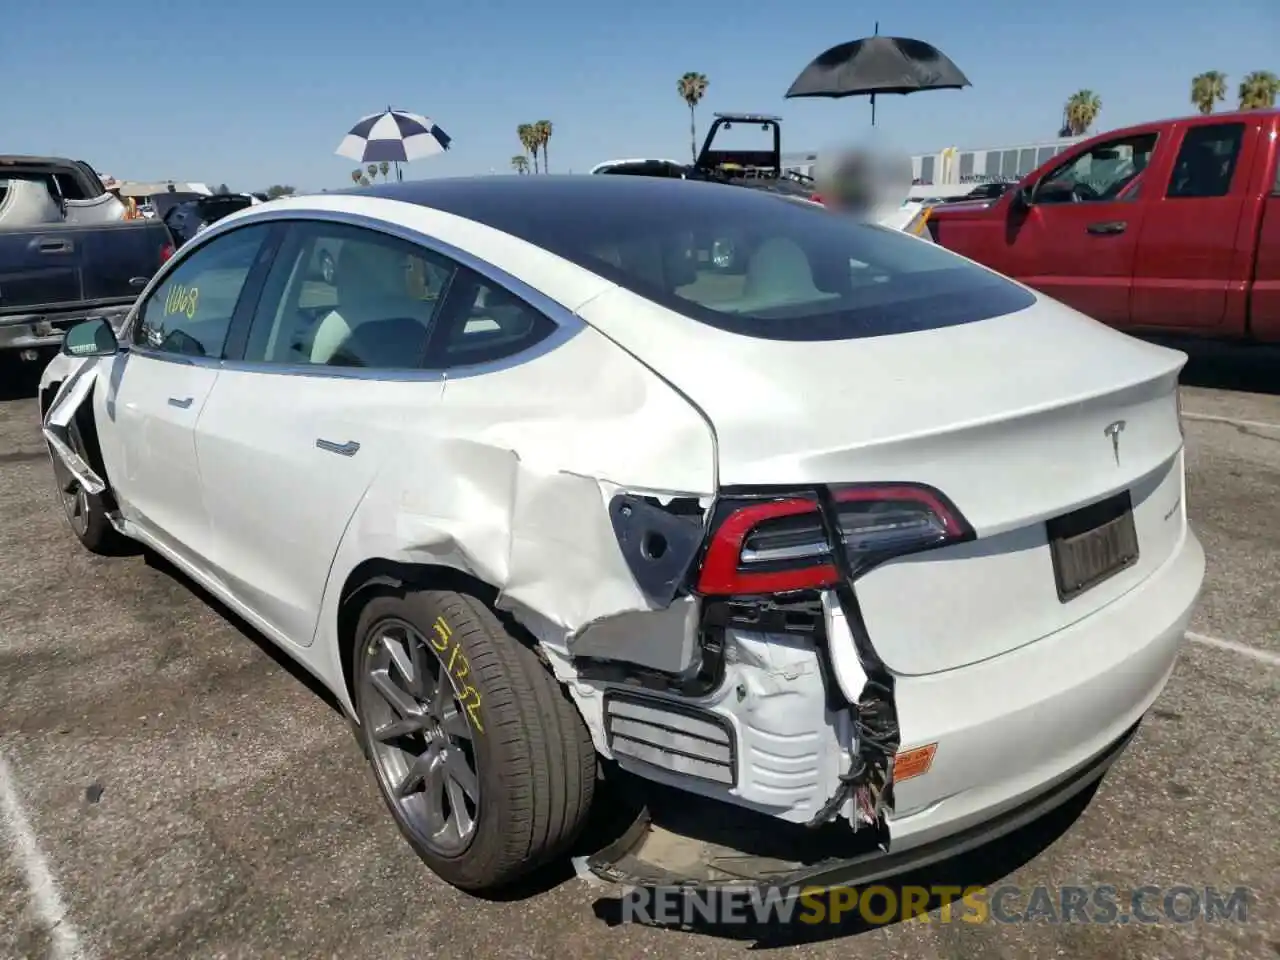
x: 873, y: 96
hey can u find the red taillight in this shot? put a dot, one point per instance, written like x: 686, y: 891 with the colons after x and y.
x: 166, y: 252
x: 816, y: 198
x: 782, y: 545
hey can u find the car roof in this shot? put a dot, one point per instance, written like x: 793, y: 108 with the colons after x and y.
x: 508, y: 203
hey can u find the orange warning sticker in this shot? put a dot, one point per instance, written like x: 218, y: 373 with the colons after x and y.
x: 913, y: 763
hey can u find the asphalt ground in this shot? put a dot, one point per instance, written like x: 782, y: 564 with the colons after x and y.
x: 170, y: 787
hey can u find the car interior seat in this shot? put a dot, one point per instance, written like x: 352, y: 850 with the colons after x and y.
x: 778, y: 272
x: 372, y: 286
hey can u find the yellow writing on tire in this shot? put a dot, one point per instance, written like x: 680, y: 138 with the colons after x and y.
x: 458, y: 667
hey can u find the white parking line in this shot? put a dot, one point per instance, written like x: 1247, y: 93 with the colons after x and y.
x: 46, y: 899
x: 1262, y: 656
x: 1233, y: 421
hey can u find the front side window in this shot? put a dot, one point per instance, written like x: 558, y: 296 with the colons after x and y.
x: 343, y: 296
x: 1206, y: 161
x: 1099, y: 174
x: 190, y: 312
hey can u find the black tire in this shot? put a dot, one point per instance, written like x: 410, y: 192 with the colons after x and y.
x: 86, y: 513
x: 533, y: 759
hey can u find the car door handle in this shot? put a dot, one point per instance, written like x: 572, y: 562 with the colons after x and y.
x: 1108, y: 226
x: 181, y: 404
x: 347, y: 449
x: 54, y: 246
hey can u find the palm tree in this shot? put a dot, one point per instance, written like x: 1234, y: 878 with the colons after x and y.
x: 1082, y: 109
x: 1207, y: 89
x: 520, y: 163
x: 527, y: 140
x: 692, y: 87
x: 542, y: 131
x: 383, y: 167
x: 1258, y: 90
x: 356, y: 175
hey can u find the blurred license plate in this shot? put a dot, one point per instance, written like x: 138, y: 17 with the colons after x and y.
x: 1092, y: 544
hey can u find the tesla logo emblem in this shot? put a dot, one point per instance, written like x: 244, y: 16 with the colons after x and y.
x: 1113, y: 430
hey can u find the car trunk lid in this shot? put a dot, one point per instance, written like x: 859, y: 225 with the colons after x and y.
x: 1018, y: 419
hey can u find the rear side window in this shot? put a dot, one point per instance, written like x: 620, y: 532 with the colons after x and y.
x: 738, y: 260
x: 344, y: 296
x: 1206, y: 161
x: 489, y: 324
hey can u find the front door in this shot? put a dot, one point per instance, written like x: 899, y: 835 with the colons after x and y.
x: 330, y: 380
x: 1078, y: 240
x: 158, y: 388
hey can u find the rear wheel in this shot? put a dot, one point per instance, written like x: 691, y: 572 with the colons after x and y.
x: 483, y: 761
x: 85, y: 512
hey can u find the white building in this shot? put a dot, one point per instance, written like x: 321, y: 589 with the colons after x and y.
x: 952, y: 171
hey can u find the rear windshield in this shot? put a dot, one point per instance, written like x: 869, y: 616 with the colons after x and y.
x: 740, y: 260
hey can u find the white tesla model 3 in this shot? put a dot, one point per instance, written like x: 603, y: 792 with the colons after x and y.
x: 863, y: 541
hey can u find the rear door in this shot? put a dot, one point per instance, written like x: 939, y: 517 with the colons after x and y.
x: 119, y: 259
x: 311, y: 403
x: 1078, y: 241
x: 39, y: 270
x: 1191, y: 257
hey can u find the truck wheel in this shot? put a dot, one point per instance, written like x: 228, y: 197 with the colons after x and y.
x: 86, y: 512
x: 483, y: 761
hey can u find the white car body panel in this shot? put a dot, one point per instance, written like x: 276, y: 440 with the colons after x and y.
x: 153, y: 407
x: 528, y: 519
x: 1006, y: 416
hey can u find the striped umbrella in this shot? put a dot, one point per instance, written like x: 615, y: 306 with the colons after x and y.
x: 395, y: 136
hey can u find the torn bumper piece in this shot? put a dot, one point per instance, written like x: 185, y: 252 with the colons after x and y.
x: 706, y: 847
x: 57, y: 427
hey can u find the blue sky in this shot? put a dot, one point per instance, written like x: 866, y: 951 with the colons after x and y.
x: 255, y: 93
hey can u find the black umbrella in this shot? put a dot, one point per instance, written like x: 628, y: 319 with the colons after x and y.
x: 875, y: 65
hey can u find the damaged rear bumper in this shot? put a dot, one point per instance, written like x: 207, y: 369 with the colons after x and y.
x: 625, y: 861
x: 1012, y: 737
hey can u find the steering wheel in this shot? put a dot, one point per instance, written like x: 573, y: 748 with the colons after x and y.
x: 1083, y: 193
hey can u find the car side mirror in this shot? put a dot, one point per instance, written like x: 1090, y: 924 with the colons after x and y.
x: 92, y: 338
x: 1023, y: 196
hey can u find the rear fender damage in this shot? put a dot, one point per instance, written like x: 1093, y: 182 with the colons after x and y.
x: 766, y: 703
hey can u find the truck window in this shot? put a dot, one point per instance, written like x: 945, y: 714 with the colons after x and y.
x: 1098, y: 174
x: 1206, y: 161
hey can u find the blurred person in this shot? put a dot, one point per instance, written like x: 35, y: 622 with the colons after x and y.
x: 868, y: 180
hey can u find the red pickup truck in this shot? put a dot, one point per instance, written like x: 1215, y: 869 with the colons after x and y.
x: 1168, y: 228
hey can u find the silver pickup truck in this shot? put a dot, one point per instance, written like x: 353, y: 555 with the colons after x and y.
x: 66, y: 252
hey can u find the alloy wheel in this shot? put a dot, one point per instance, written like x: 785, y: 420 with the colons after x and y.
x: 422, y: 743
x: 74, y: 497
